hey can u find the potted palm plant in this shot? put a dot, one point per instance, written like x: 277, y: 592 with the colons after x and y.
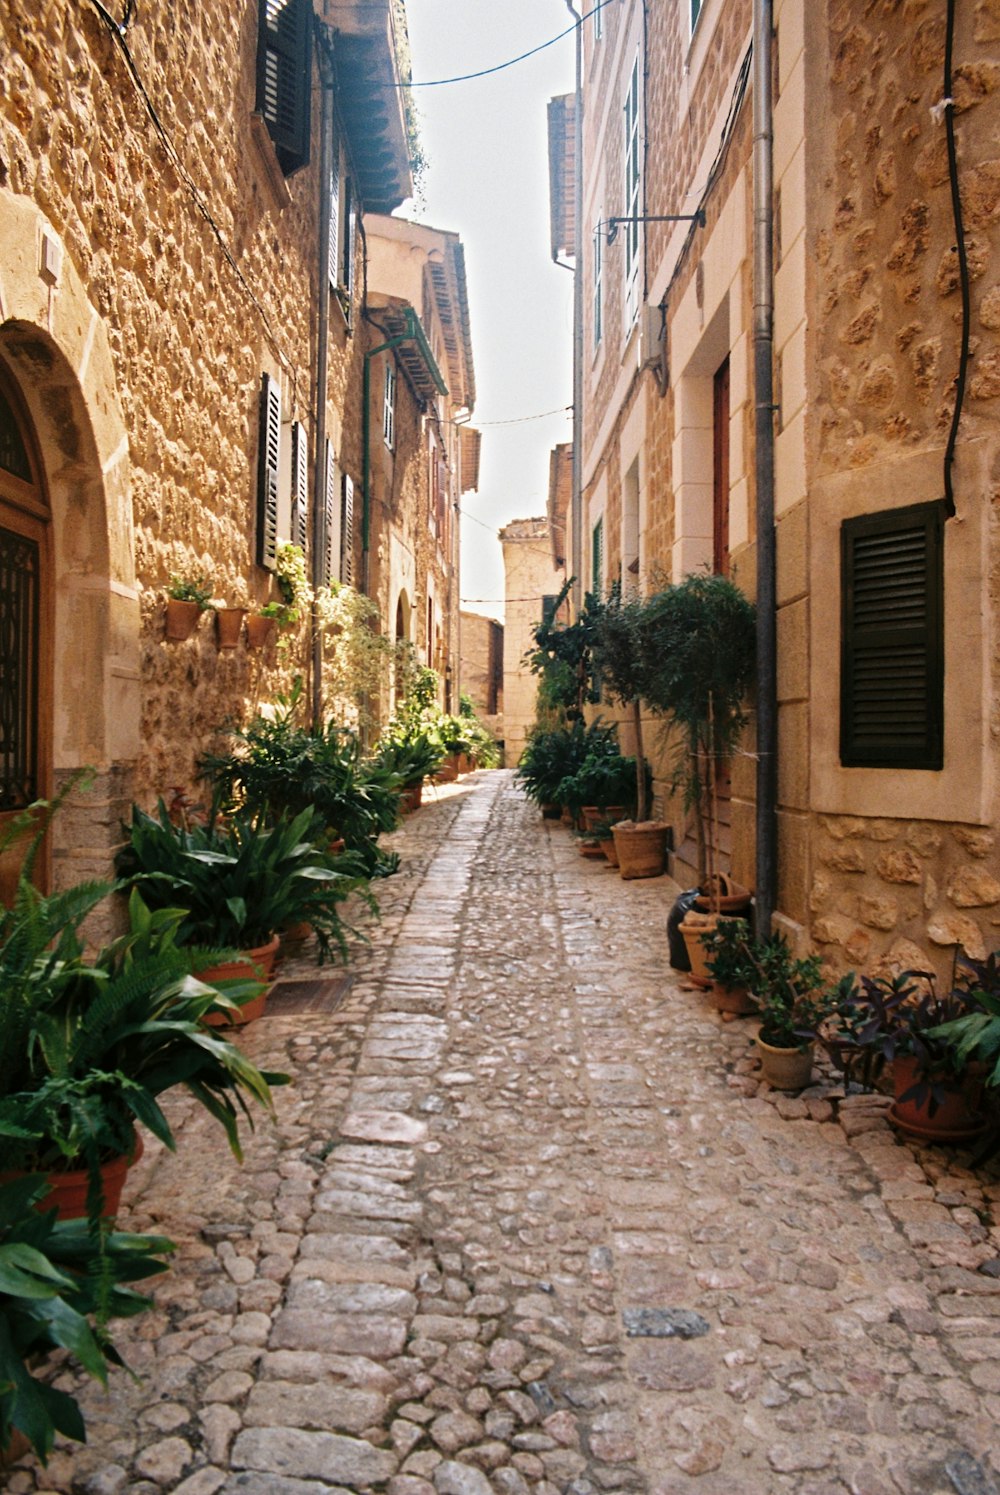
x: 239, y: 882
x: 88, y: 1046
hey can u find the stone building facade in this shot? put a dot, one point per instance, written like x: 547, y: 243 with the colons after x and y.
x: 532, y: 582
x: 482, y: 668
x: 887, y: 756
x: 182, y: 268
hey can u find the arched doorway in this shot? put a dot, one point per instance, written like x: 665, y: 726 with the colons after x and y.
x: 25, y: 626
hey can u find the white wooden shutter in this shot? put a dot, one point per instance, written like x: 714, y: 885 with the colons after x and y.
x: 347, y: 531
x: 333, y: 258
x: 268, y: 458
x: 329, y: 571
x: 300, y: 486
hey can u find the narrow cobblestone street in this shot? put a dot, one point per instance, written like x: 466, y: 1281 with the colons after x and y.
x: 527, y: 1223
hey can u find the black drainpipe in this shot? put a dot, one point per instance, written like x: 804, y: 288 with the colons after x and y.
x: 963, y: 263
x: 763, y: 339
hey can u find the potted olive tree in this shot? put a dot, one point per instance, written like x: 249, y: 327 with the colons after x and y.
x: 622, y: 663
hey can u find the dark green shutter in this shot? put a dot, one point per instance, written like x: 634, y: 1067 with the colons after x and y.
x: 284, y: 77
x: 597, y: 559
x: 892, y: 658
x: 268, y: 457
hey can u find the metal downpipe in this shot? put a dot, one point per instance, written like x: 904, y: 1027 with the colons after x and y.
x: 763, y: 341
x: 318, y: 528
x: 576, y: 499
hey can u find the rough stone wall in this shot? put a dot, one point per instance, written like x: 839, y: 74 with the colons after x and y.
x: 884, y: 356
x: 188, y: 341
x: 529, y: 575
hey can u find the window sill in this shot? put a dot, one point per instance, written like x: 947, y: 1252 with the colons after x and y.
x: 267, y: 160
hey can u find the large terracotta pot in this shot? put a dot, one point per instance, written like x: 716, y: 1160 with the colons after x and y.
x: 448, y: 772
x: 953, y: 1119
x: 642, y: 849
x: 182, y: 619
x: 785, y: 1069
x: 251, y: 965
x: 411, y: 796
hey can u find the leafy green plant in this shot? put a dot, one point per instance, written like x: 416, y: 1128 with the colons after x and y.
x: 281, y: 768
x: 190, y: 589
x: 884, y: 1018
x: 621, y: 662
x: 974, y: 1034
x: 562, y: 656
x: 550, y: 756
x: 793, y: 998
x: 601, y: 780
x: 727, y: 953
x: 406, y: 754
x: 239, y: 881
x: 59, y: 1285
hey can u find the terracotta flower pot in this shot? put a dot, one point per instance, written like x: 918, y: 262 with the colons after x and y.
x: 448, y: 772
x: 734, y: 999
x: 550, y: 812
x: 229, y: 625
x: 785, y: 1069
x: 182, y: 619
x: 259, y: 630
x: 608, y: 847
x: 692, y: 928
x: 252, y: 965
x: 67, y: 1190
x: 411, y: 797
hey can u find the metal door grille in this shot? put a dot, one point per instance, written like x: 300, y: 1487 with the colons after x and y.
x: 19, y: 591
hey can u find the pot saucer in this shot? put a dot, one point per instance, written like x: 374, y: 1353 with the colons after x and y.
x: 936, y: 1134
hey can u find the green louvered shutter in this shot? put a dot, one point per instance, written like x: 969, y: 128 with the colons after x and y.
x: 892, y: 657
x: 300, y: 486
x: 284, y: 77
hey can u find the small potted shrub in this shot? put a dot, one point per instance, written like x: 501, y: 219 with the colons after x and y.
x: 794, y: 1001
x: 727, y: 958
x: 187, y: 599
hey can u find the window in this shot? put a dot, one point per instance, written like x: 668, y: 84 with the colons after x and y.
x: 633, y: 206
x: 284, y: 76
x: 389, y: 406
x: 892, y: 646
x: 597, y: 559
x: 349, y: 234
x: 598, y: 277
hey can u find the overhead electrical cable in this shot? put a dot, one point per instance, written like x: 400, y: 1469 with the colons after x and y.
x: 500, y: 67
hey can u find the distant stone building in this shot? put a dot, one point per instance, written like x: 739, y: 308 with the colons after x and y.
x: 482, y: 668
x: 886, y: 617
x: 182, y: 268
x: 532, y: 583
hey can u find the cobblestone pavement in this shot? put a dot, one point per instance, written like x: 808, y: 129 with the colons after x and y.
x: 527, y: 1223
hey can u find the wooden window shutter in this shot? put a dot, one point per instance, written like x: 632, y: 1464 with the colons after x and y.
x: 347, y: 531
x: 350, y: 238
x: 284, y: 77
x: 268, y: 458
x: 300, y: 486
x: 329, y: 515
x: 597, y: 559
x: 333, y: 256
x: 892, y: 648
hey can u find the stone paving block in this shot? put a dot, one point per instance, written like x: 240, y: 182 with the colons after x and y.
x: 312, y: 1455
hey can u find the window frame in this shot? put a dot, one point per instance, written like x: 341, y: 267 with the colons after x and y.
x: 597, y: 288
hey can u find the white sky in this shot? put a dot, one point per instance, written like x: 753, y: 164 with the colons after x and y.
x: 487, y: 179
